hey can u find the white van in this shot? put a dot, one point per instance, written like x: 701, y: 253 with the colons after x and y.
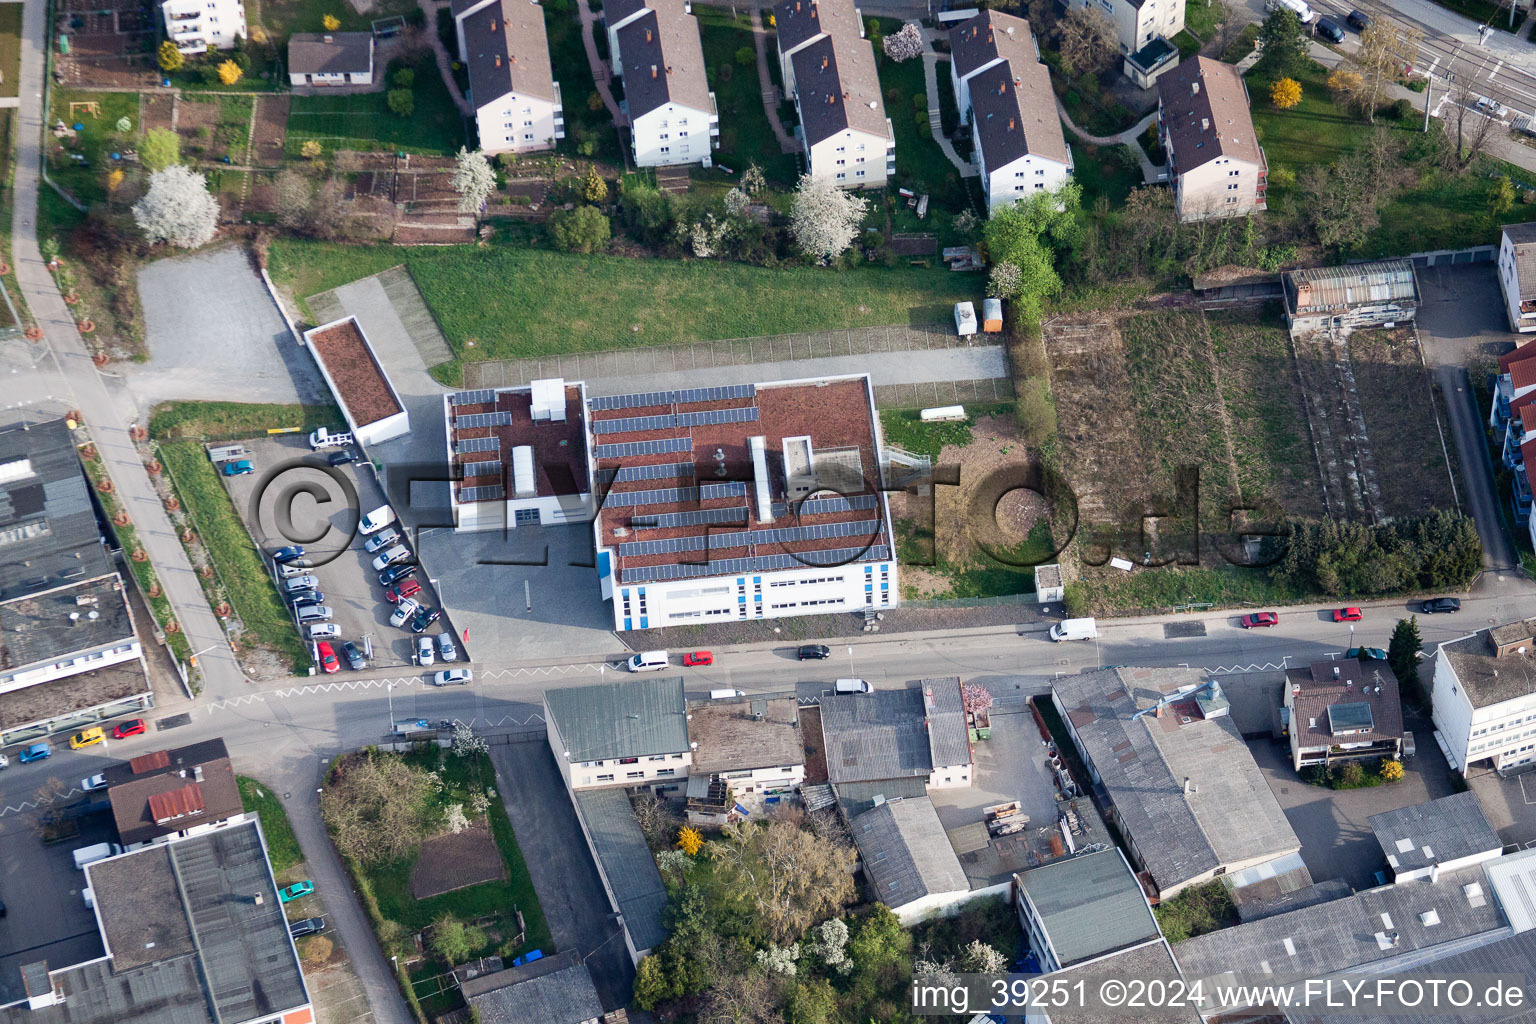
x: 1075, y: 629
x: 852, y: 686
x: 91, y: 854
x: 648, y: 661
x: 1297, y: 7
x: 376, y: 520
x: 726, y: 694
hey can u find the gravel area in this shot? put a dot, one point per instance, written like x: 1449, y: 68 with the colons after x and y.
x: 826, y: 627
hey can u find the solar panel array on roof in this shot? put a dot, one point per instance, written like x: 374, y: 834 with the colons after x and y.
x: 633, y: 424
x: 483, y: 396
x: 643, y: 399
x: 477, y: 444
x: 638, y: 400
x: 742, y: 538
x: 483, y: 419
x: 674, y: 495
x: 761, y: 563
x: 484, y: 467
x: 822, y: 506
x: 627, y: 449
x: 705, y: 417
x: 698, y: 517
x: 482, y: 493
x: 660, y: 471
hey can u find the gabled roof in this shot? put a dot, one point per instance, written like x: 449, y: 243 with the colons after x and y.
x: 1089, y: 905
x: 627, y: 866
x: 170, y: 791
x: 556, y: 989
x: 1522, y: 373
x: 990, y: 36
x: 1205, y: 108
x: 1014, y: 114
x: 906, y: 853
x: 797, y: 22
x: 838, y: 88
x: 1514, y: 355
x: 330, y: 53
x: 1435, y: 832
x: 1321, y: 691
x: 892, y: 734
x: 662, y: 59
x: 508, y: 52
x: 634, y: 718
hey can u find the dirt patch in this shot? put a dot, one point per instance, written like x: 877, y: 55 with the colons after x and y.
x: 271, y: 130
x: 1403, y: 421
x: 450, y: 862
x: 815, y: 752
x: 196, y: 120
x: 156, y: 109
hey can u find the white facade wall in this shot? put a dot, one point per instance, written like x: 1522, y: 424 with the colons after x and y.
x: 1021, y: 179
x: 520, y: 124
x: 673, y: 134
x: 514, y: 512
x: 652, y: 769
x: 853, y: 158
x: 1504, y: 732
x: 956, y: 776
x: 83, y: 661
x: 1136, y: 27
x: 322, y: 79
x: 196, y: 830
x: 757, y: 780
x: 1225, y: 187
x: 1441, y: 867
x: 386, y: 429
x: 811, y: 590
x: 1509, y: 284
x: 195, y: 25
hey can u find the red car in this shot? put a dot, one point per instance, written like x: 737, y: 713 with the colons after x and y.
x: 328, y: 662
x: 132, y: 727
x: 1259, y: 619
x: 698, y: 658
x: 401, y: 590
x: 1347, y: 615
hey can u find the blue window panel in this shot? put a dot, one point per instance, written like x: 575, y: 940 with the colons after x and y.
x: 628, y: 624
x: 604, y: 569
x: 885, y: 568
x: 758, y: 598
x: 757, y: 579
x: 868, y: 587
x: 741, y: 598
x: 643, y: 623
x: 741, y: 581
x: 885, y: 586
x: 868, y: 569
x: 625, y: 593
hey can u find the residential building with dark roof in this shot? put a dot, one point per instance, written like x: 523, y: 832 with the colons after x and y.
x: 1004, y: 91
x: 829, y: 69
x: 1447, y: 834
x: 657, y: 51
x: 505, y: 46
x: 194, y: 934
x: 629, y: 733
x: 1484, y: 701
x: 556, y: 989
x: 1342, y: 710
x: 1083, y: 908
x: 1337, y: 300
x: 1174, y: 774
x: 172, y: 794
x: 915, y: 736
x: 1215, y: 163
x: 368, y: 400
x: 328, y: 59
x: 1517, y: 275
x: 907, y: 859
x: 1137, y: 22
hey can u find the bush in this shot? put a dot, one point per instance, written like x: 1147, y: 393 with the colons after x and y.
x: 402, y: 102
x: 1439, y: 551
x: 583, y: 229
x: 746, y: 56
x: 1400, y: 110
x: 1351, y: 774
x: 403, y: 78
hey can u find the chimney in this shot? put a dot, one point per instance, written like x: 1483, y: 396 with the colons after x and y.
x: 1011, y: 124
x: 823, y: 63
x: 653, y: 72
x: 498, y: 60
x: 1002, y: 87
x: 197, y: 773
x: 1194, y: 88
x: 1335, y: 671
x: 493, y: 30
x: 1303, y: 294
x: 1205, y: 124
x: 1189, y: 787
x: 647, y: 35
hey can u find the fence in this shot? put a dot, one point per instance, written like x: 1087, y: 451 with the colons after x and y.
x: 974, y: 602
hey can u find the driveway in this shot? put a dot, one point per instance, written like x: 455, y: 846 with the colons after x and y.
x: 214, y: 333
x: 564, y: 876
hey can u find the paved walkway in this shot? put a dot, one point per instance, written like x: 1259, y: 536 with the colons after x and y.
x: 770, y: 92
x: 429, y: 9
x: 109, y: 412
x: 600, y: 70
x: 935, y: 122
x: 1151, y: 174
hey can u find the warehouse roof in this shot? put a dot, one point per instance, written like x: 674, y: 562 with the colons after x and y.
x: 1089, y: 905
x: 906, y: 853
x: 894, y: 733
x: 634, y: 718
x: 1435, y: 832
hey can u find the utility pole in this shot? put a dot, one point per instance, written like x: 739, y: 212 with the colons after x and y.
x: 1429, y: 90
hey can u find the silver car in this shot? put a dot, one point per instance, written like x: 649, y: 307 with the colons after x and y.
x: 380, y: 541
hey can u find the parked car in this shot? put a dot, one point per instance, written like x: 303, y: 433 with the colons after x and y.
x: 343, y: 457
x: 1347, y: 615
x: 813, y: 652
x: 97, y: 781
x: 1258, y: 619
x: 5, y: 762
x: 322, y: 631
x: 424, y: 652
x: 87, y: 738
x: 1366, y: 653
x: 404, y: 589
x: 453, y: 677
x: 132, y: 727
x: 292, y: 892
x: 398, y: 553
x: 313, y: 613
x: 1359, y: 20
x: 303, y: 581
x: 36, y: 752
x: 381, y: 540
x: 403, y: 612
x: 308, y: 926
x: 328, y: 662
x: 396, y: 573
x: 1440, y: 605
x: 425, y: 618
x: 1330, y: 30
x: 447, y: 650
x: 283, y: 556
x: 307, y: 597
x: 1492, y: 107
x: 240, y: 468
x: 698, y: 658
x: 298, y: 567
x: 354, y: 656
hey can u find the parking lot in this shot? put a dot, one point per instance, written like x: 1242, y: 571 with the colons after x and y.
x: 1510, y: 805
x: 294, y: 496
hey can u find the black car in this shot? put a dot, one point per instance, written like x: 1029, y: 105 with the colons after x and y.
x: 814, y: 652
x: 343, y: 457
x: 425, y: 618
x: 396, y: 573
x: 306, y: 597
x: 1330, y: 30
x: 308, y: 926
x: 1440, y: 605
x: 354, y: 656
x: 284, y: 556
x: 1359, y: 20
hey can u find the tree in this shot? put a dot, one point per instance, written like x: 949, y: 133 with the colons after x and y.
x: 1283, y: 44
x: 753, y: 180
x: 689, y: 841
x: 466, y: 743
x: 310, y: 149
x: 789, y: 876
x: 454, y: 818
x: 402, y: 102
x: 593, y: 188
x: 330, y: 22
x: 403, y: 78
x: 1085, y: 40
x: 652, y: 983
x: 829, y: 942
x: 975, y: 698
x: 811, y: 1002
x: 1390, y: 770
x: 177, y: 209
x: 473, y: 179
x: 745, y: 55
x: 378, y: 808
x: 1403, y: 651
x: 1351, y: 774
x: 1501, y: 197
x: 778, y: 959
x: 169, y: 57
x: 229, y: 72
x: 454, y: 941
x: 294, y: 193
x: 824, y: 219
x: 1033, y: 235
x: 1386, y: 46
x: 905, y: 43
x: 161, y: 149
x: 1286, y: 92
x: 330, y: 213
x: 980, y: 958
x: 1474, y: 127
x: 583, y: 229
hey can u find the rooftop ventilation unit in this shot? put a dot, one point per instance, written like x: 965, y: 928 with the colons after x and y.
x: 524, y: 483
x: 760, y: 481
x: 548, y: 400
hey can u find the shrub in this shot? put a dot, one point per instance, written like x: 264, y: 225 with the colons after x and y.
x: 1391, y: 770
x: 403, y: 78
x: 1286, y: 93
x: 402, y: 102
x: 1400, y: 110
x: 745, y: 56
x: 583, y: 229
x: 1351, y: 774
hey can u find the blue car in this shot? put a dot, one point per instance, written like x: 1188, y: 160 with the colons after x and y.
x: 36, y: 752
x: 240, y: 468
x: 283, y: 556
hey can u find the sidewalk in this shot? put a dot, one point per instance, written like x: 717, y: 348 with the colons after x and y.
x: 770, y: 93
x: 1151, y: 174
x: 599, y: 69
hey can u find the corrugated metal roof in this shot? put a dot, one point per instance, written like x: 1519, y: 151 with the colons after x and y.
x: 1089, y: 905
x: 1437, y: 831
x: 1318, y: 289
x: 905, y: 852
x: 178, y: 803
x: 626, y: 863
x: 629, y: 719
x: 892, y: 734
x: 1514, y: 884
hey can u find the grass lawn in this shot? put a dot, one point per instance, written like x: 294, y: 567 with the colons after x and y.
x: 281, y: 18
x: 229, y: 421
x: 524, y: 302
x: 920, y: 164
x: 10, y: 49
x: 1315, y: 131
x: 97, y: 139
x: 905, y: 428
x: 1202, y: 16
x: 585, y: 127
x: 745, y: 134
x: 1188, y: 45
x: 365, y: 122
x: 1243, y: 45
x: 1109, y: 171
x: 282, y: 844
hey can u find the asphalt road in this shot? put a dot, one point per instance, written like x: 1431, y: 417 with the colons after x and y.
x: 1476, y: 484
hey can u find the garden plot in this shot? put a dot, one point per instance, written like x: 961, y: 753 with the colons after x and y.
x: 1397, y: 398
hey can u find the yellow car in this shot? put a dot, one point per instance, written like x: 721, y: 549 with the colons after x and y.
x: 86, y: 738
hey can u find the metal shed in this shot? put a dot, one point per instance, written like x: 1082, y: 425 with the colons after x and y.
x: 1341, y: 299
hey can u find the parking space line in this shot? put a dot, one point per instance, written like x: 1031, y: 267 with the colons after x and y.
x: 1524, y: 794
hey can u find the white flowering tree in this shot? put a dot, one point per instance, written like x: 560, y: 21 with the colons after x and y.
x: 473, y: 179
x: 177, y: 208
x: 825, y: 219
x: 905, y: 43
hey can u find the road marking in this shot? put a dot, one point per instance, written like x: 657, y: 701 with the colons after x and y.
x: 1494, y: 72
x: 30, y: 805
x: 543, y: 670
x: 309, y: 689
x: 1523, y: 793
x: 1268, y: 666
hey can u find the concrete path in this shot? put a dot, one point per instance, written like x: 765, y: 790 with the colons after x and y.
x: 108, y: 411
x: 429, y: 9
x: 770, y: 92
x: 600, y: 71
x: 935, y: 123
x: 1476, y: 467
x: 1151, y: 174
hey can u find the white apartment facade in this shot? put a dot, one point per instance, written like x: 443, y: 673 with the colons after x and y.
x: 1215, y: 163
x: 631, y: 733
x: 1485, y: 697
x: 657, y: 52
x: 1517, y: 275
x: 1137, y: 24
x: 505, y: 46
x: 196, y: 26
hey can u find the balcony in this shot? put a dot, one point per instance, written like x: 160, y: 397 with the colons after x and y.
x: 186, y: 16
x: 714, y: 122
x: 559, y: 114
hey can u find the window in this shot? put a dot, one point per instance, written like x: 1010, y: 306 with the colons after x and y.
x: 657, y: 757
x: 528, y: 136
x: 1040, y: 185
x: 858, y: 174
x: 841, y: 162
x: 663, y: 134
x: 841, y: 175
x: 666, y: 771
x: 527, y: 124
x: 1017, y: 174
x: 605, y: 778
x: 666, y: 149
x: 1040, y: 173
x: 1231, y: 188
x: 634, y: 775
